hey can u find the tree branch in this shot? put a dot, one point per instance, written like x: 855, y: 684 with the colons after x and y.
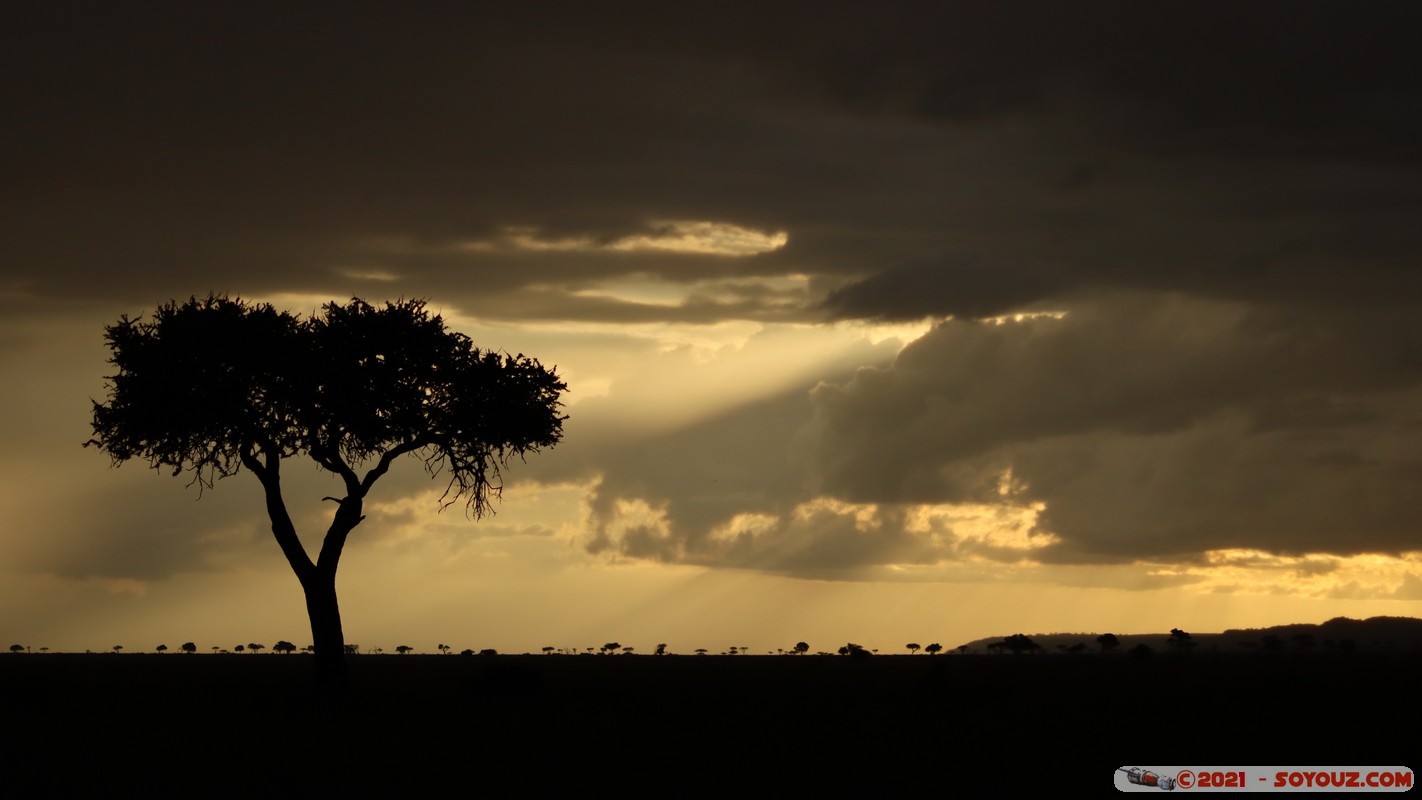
x: 330, y: 460
x: 282, y: 527
x: 347, y: 517
x: 386, y: 460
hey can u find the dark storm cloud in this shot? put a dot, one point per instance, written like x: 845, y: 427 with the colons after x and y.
x: 171, y: 149
x: 1150, y: 425
x: 1275, y: 78
x: 936, y: 285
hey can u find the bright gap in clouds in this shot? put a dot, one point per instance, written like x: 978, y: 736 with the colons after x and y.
x: 670, y: 236
x: 371, y: 275
x: 711, y: 238
x: 792, y: 291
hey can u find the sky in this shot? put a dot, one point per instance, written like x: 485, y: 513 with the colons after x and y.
x: 925, y: 322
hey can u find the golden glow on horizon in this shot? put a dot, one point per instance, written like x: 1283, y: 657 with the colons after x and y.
x: 1318, y: 575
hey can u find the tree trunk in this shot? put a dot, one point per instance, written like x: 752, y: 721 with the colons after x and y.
x: 326, y: 633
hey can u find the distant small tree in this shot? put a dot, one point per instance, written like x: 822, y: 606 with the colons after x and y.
x: 488, y: 651
x: 443, y: 649
x: 661, y: 649
x: 118, y: 647
x: 701, y: 651
x: 403, y: 649
x: 611, y: 647
x: 17, y: 648
x: 239, y: 648
x: 254, y: 647
x: 1108, y: 642
x: 1142, y: 651
x: 548, y: 651
x: 188, y: 647
x: 855, y: 651
x: 801, y: 648
x: 913, y: 647
x: 933, y: 649
x: 627, y: 651
x: 466, y: 652
x: 284, y: 647
x: 162, y: 648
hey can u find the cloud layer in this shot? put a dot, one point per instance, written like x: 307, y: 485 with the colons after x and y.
x: 1169, y: 255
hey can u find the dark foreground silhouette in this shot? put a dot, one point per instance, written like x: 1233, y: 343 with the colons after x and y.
x: 233, y: 725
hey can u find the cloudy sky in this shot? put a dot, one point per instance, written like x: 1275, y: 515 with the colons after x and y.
x: 919, y: 324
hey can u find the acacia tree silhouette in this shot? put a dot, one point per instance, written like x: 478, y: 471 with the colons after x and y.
x: 214, y: 385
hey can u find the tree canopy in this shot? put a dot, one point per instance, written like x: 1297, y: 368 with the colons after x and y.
x: 211, y: 385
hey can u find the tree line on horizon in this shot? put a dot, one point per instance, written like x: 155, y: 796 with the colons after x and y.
x: 1337, y: 635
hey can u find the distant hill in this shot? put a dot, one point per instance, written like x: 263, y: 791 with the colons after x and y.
x: 1339, y: 634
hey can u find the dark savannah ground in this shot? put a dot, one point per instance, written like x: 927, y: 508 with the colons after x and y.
x: 223, y: 725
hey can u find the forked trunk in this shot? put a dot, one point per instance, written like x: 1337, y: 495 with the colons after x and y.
x: 326, y: 633
x: 318, y: 578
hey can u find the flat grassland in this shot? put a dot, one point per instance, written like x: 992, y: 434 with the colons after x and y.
x: 226, y: 725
